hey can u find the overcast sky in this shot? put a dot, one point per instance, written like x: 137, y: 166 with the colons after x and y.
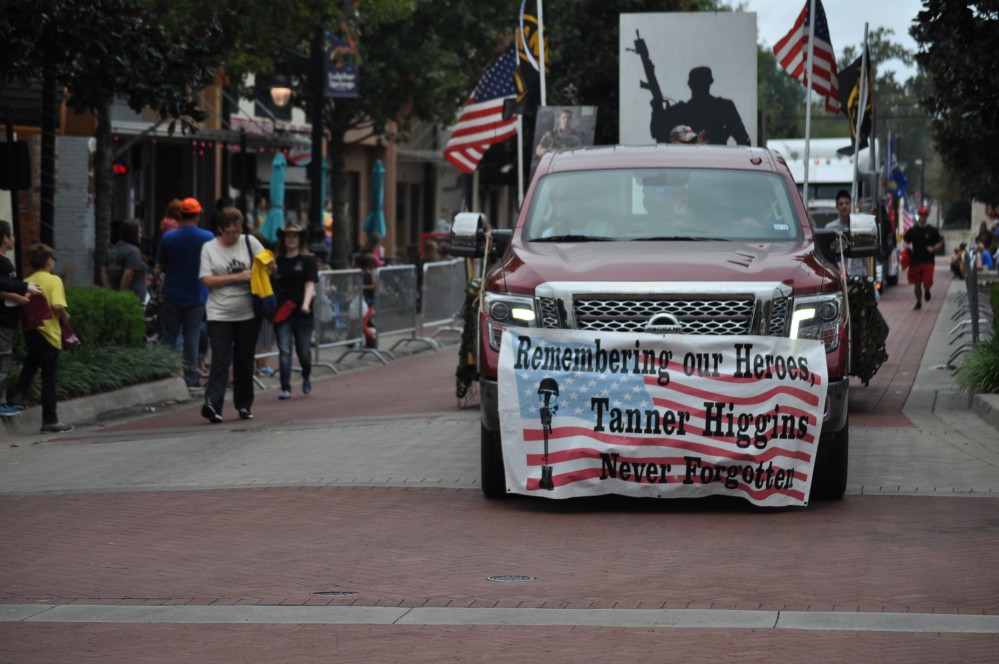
x: 846, y: 18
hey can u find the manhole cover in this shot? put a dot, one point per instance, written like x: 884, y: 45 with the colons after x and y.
x: 335, y: 593
x: 510, y: 578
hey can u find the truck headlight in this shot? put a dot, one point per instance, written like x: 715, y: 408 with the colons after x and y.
x: 504, y: 310
x: 819, y: 317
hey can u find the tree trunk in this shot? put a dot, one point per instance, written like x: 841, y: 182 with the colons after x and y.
x: 342, y: 241
x: 50, y: 122
x: 102, y: 189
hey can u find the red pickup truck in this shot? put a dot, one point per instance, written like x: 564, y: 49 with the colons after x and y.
x: 666, y: 239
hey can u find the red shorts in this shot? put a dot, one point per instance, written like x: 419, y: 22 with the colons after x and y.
x: 921, y: 273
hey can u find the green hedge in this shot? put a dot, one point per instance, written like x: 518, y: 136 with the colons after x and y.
x: 979, y: 372
x: 94, y: 369
x: 114, y: 353
x: 101, y: 317
x: 104, y: 317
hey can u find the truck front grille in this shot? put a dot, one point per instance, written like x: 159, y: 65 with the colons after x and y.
x: 730, y: 316
x: 703, y: 316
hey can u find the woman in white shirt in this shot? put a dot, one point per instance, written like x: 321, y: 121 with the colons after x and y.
x: 226, y: 264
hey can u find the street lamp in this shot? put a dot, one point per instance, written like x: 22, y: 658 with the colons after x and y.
x: 281, y: 95
x: 280, y: 86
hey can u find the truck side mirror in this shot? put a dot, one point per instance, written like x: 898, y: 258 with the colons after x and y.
x: 864, y: 236
x: 468, y: 237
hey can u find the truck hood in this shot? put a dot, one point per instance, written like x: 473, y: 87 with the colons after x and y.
x: 528, y: 264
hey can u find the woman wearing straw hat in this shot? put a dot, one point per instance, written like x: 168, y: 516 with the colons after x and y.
x: 295, y: 287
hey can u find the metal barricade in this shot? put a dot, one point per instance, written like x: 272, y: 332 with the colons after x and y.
x: 339, y: 311
x: 970, y: 305
x: 266, y: 347
x: 443, y: 296
x: 395, y: 304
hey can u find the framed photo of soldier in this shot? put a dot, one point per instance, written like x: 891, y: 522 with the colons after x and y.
x: 695, y: 70
x: 562, y: 127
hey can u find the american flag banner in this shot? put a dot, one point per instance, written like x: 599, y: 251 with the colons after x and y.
x: 792, y: 54
x: 660, y: 416
x: 481, y: 122
x: 907, y: 219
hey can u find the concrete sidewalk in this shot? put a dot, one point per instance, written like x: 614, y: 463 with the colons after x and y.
x: 144, y: 399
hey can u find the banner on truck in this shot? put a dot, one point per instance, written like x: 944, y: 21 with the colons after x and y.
x: 661, y: 416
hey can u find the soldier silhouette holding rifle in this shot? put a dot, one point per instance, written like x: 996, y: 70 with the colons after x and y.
x: 716, y: 117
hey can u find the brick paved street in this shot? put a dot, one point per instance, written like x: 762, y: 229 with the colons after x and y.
x: 181, y: 531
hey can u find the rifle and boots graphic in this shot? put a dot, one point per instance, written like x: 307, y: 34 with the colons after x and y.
x: 546, y: 391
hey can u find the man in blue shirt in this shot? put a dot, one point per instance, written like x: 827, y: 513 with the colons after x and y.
x: 184, y: 296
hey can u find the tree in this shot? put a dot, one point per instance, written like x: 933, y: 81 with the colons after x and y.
x: 958, y: 41
x: 419, y: 59
x: 780, y: 97
x: 104, y: 49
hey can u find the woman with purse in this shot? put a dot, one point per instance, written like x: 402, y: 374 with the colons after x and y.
x: 295, y: 286
x: 233, y: 326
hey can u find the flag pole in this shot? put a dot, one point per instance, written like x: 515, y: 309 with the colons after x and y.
x: 520, y: 160
x: 541, y: 51
x: 861, y: 110
x: 875, y: 156
x: 808, y: 97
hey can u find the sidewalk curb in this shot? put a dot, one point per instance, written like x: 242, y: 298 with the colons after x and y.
x: 87, y: 409
x: 986, y: 406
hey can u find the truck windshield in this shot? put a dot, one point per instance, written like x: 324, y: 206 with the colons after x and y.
x: 662, y: 205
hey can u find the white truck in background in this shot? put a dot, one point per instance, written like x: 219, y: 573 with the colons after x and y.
x: 828, y: 172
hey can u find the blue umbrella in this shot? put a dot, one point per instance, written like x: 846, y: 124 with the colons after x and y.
x: 275, y: 214
x: 375, y: 223
x: 326, y: 177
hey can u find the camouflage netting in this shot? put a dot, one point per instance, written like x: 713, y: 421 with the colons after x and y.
x: 868, y: 328
x: 467, y: 373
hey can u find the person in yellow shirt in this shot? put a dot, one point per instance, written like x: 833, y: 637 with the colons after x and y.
x: 44, y: 343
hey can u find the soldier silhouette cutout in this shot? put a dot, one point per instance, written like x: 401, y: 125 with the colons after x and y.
x: 717, y: 117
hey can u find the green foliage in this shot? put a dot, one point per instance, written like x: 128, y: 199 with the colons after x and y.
x: 882, y: 47
x: 105, y: 317
x: 103, y: 49
x: 979, y: 372
x: 958, y: 41
x: 92, y: 369
x: 100, y: 49
x: 957, y: 215
x: 100, y: 317
x: 780, y: 98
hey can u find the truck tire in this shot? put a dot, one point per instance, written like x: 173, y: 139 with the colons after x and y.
x: 829, y: 482
x: 493, y: 473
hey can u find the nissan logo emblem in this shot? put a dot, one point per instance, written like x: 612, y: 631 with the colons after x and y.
x: 663, y: 323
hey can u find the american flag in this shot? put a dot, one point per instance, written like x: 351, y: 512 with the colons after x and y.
x: 481, y: 122
x: 907, y: 219
x: 577, y: 452
x: 792, y: 53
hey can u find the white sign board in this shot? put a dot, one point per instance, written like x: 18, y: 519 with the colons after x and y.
x: 705, y: 67
x: 663, y: 416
